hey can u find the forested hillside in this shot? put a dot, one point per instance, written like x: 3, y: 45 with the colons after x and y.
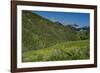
x: 39, y: 32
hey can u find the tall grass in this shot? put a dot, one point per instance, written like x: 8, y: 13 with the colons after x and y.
x: 72, y: 50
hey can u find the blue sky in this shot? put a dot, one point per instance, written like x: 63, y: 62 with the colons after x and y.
x: 82, y: 19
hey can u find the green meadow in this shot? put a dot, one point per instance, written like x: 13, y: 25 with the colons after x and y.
x: 71, y: 50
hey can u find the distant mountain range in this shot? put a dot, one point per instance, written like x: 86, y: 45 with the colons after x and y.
x: 85, y: 28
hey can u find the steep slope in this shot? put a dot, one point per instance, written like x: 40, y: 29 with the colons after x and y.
x: 39, y: 32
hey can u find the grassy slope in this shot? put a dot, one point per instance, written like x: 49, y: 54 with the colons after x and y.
x: 71, y: 50
x: 38, y: 32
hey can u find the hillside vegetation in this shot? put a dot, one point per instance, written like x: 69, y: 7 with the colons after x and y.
x: 45, y: 40
x: 63, y: 51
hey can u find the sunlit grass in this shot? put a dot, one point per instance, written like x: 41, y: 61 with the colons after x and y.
x: 71, y: 50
